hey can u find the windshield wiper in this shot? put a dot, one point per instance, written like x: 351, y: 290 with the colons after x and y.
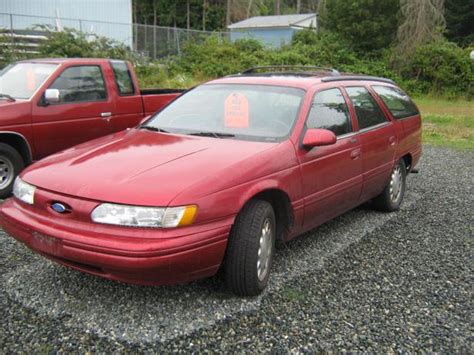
x: 212, y: 134
x: 8, y: 97
x: 153, y: 129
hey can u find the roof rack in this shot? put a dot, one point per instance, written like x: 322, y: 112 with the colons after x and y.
x: 356, y: 77
x: 306, y: 70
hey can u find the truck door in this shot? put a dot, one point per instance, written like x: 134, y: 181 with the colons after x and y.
x: 82, y: 111
x: 128, y: 106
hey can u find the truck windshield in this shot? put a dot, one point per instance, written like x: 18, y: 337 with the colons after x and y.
x: 226, y: 111
x: 21, y: 80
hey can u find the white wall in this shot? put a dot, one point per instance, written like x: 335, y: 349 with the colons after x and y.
x: 91, y: 12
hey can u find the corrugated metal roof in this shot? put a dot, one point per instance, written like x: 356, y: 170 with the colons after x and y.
x: 272, y: 21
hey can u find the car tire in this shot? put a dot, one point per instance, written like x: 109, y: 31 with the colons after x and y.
x: 391, y: 197
x: 11, y: 164
x: 250, y: 249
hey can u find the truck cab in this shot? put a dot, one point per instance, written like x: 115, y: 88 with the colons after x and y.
x: 48, y: 105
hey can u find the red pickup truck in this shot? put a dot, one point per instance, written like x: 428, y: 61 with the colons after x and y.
x: 47, y: 105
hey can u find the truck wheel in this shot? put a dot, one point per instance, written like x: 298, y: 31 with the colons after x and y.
x: 392, y: 196
x: 11, y: 163
x: 250, y: 249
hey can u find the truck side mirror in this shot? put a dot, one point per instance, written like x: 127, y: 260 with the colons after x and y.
x: 52, y: 96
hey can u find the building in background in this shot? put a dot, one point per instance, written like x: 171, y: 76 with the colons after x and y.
x: 109, y: 18
x: 272, y: 31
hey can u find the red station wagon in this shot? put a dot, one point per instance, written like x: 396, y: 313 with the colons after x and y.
x: 218, y: 176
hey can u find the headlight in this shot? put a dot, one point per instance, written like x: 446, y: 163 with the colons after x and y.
x: 136, y: 216
x: 24, y: 191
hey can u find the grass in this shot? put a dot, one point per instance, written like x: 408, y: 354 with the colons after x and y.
x: 447, y: 123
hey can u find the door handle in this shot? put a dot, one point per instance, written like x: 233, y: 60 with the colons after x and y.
x: 106, y: 114
x: 355, y: 153
x: 392, y: 140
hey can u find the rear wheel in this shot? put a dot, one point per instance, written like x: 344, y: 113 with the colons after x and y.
x: 250, y: 249
x: 392, y: 196
x: 11, y: 163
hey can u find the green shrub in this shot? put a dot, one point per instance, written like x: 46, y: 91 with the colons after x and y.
x: 215, y: 57
x: 441, y: 68
x: 71, y: 43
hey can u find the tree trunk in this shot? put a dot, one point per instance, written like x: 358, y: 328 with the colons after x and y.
x: 227, y: 13
x: 155, y: 13
x: 249, y: 8
x: 298, y: 6
x: 277, y: 7
x: 204, y: 5
x: 188, y: 14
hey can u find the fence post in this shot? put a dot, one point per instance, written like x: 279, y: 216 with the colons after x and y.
x: 135, y: 37
x: 146, y: 39
x: 11, y: 30
x: 154, y: 42
x: 177, y: 41
x: 80, y: 25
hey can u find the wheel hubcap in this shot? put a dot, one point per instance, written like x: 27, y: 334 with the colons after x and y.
x: 265, y: 249
x: 6, y: 172
x: 396, y: 183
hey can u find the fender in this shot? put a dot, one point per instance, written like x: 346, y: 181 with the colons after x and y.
x: 29, y: 158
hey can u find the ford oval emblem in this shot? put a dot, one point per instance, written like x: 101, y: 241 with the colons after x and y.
x: 59, y: 207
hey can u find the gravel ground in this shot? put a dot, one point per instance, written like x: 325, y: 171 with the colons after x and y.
x: 366, y: 281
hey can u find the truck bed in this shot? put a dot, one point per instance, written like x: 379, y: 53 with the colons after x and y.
x: 155, y: 99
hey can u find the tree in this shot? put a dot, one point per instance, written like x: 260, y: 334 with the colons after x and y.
x: 422, y: 22
x: 460, y: 21
x: 367, y: 24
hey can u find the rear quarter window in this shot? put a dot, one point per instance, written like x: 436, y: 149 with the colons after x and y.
x: 367, y: 110
x: 398, y: 103
x: 123, y: 78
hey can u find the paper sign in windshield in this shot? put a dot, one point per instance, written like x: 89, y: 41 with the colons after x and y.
x: 236, y: 111
x: 31, y: 79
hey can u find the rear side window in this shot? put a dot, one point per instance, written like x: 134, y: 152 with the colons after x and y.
x: 123, y: 78
x: 367, y: 110
x: 80, y: 84
x: 399, y: 104
x: 329, y: 111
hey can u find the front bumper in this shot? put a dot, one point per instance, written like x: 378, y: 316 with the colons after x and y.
x: 160, y: 257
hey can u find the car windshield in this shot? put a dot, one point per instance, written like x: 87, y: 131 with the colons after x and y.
x: 21, y: 80
x: 247, y: 112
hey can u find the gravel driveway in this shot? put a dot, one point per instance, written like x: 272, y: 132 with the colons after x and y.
x: 365, y: 281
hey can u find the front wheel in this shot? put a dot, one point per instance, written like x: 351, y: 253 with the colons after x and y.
x: 250, y: 249
x: 392, y: 196
x: 11, y: 164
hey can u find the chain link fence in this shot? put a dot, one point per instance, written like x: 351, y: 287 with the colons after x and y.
x: 146, y: 40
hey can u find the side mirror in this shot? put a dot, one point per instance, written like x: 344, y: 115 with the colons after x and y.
x: 316, y: 137
x: 52, y: 96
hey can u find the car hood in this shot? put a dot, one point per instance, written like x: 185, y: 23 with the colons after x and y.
x: 139, y: 167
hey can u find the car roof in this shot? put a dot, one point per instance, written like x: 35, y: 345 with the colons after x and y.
x: 66, y: 60
x: 303, y: 81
